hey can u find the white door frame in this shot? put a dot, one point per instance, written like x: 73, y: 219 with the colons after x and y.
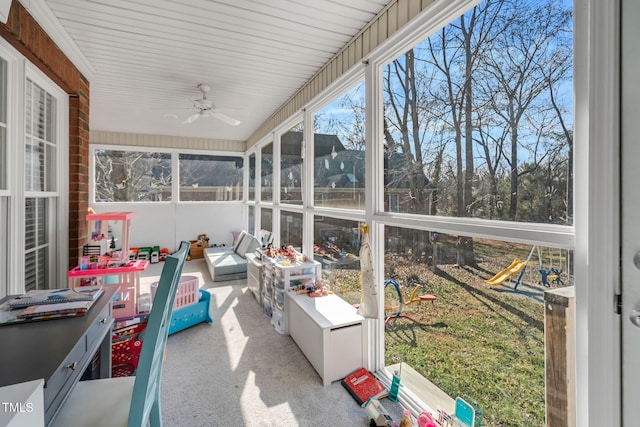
x: 597, y: 212
x: 630, y: 200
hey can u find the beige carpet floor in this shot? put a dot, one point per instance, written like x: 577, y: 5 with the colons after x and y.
x: 238, y: 371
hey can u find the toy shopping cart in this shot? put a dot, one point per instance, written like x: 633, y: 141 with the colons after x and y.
x: 126, y: 344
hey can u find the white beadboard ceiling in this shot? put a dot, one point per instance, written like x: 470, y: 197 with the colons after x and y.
x: 144, y: 58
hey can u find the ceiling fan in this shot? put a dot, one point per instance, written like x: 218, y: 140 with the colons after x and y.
x: 206, y: 108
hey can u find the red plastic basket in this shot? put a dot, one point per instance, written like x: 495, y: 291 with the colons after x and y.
x: 126, y: 344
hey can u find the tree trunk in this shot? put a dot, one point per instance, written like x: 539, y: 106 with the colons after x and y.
x: 513, y: 197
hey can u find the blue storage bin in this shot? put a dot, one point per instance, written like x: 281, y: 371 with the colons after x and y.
x: 190, y: 315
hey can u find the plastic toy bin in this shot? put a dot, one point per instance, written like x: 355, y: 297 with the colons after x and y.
x: 285, y: 272
x: 191, y: 315
x: 187, y: 293
x: 126, y: 345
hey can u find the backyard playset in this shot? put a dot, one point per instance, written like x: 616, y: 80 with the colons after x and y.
x: 396, y: 311
x: 519, y: 267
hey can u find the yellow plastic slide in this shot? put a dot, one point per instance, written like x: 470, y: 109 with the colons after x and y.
x: 516, y: 266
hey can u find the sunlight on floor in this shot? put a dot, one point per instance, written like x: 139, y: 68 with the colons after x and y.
x: 253, y: 403
x: 235, y: 345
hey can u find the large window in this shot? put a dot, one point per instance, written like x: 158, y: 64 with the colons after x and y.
x: 266, y: 219
x: 33, y: 176
x: 478, y: 123
x: 252, y: 176
x: 38, y: 232
x: 338, y: 146
x: 128, y: 175
x: 210, y: 178
x: 266, y: 173
x: 483, y: 336
x: 291, y: 229
x: 474, y: 153
x: 40, y: 140
x: 478, y: 117
x: 132, y: 176
x: 291, y: 165
x: 40, y: 184
x: 252, y: 220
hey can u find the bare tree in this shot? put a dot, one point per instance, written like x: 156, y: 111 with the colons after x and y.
x: 476, y: 108
x: 521, y: 66
x: 132, y: 176
x: 404, y: 128
x: 558, y: 73
x: 351, y: 132
x: 458, y: 47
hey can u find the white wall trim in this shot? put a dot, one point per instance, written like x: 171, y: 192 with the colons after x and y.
x: 558, y: 236
x: 596, y: 68
x: 166, y: 141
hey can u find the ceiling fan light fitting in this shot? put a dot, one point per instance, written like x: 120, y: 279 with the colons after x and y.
x: 207, y: 109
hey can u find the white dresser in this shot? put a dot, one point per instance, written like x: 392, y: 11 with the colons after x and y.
x: 329, y: 332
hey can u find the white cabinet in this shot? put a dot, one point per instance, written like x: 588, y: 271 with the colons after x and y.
x: 329, y: 332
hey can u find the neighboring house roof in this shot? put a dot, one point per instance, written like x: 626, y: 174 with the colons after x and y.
x: 291, y: 144
x: 342, y: 180
x: 337, y: 167
x: 344, y: 168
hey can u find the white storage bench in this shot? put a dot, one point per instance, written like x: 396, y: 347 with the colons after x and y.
x: 328, y: 331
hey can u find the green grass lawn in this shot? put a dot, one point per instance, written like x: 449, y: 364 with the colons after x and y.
x: 476, y: 341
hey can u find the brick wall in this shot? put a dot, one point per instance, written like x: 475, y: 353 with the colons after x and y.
x: 26, y: 36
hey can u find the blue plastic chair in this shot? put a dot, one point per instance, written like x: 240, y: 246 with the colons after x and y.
x: 131, y: 401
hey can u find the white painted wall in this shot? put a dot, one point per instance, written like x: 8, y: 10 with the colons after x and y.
x: 165, y: 225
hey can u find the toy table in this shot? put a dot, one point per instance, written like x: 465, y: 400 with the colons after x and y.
x: 125, y: 305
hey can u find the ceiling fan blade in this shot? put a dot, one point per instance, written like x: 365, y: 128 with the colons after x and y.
x: 192, y: 118
x: 228, y: 120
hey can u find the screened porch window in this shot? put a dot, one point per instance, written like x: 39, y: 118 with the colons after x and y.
x: 339, y: 156
x: 210, y: 178
x: 132, y: 176
x: 291, y: 165
x: 478, y: 124
x: 478, y: 117
x: 266, y: 174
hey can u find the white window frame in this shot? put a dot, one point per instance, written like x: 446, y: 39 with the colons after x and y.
x: 277, y: 135
x: 350, y: 80
x: 8, y: 234
x: 58, y: 224
x: 593, y: 236
x: 12, y: 258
